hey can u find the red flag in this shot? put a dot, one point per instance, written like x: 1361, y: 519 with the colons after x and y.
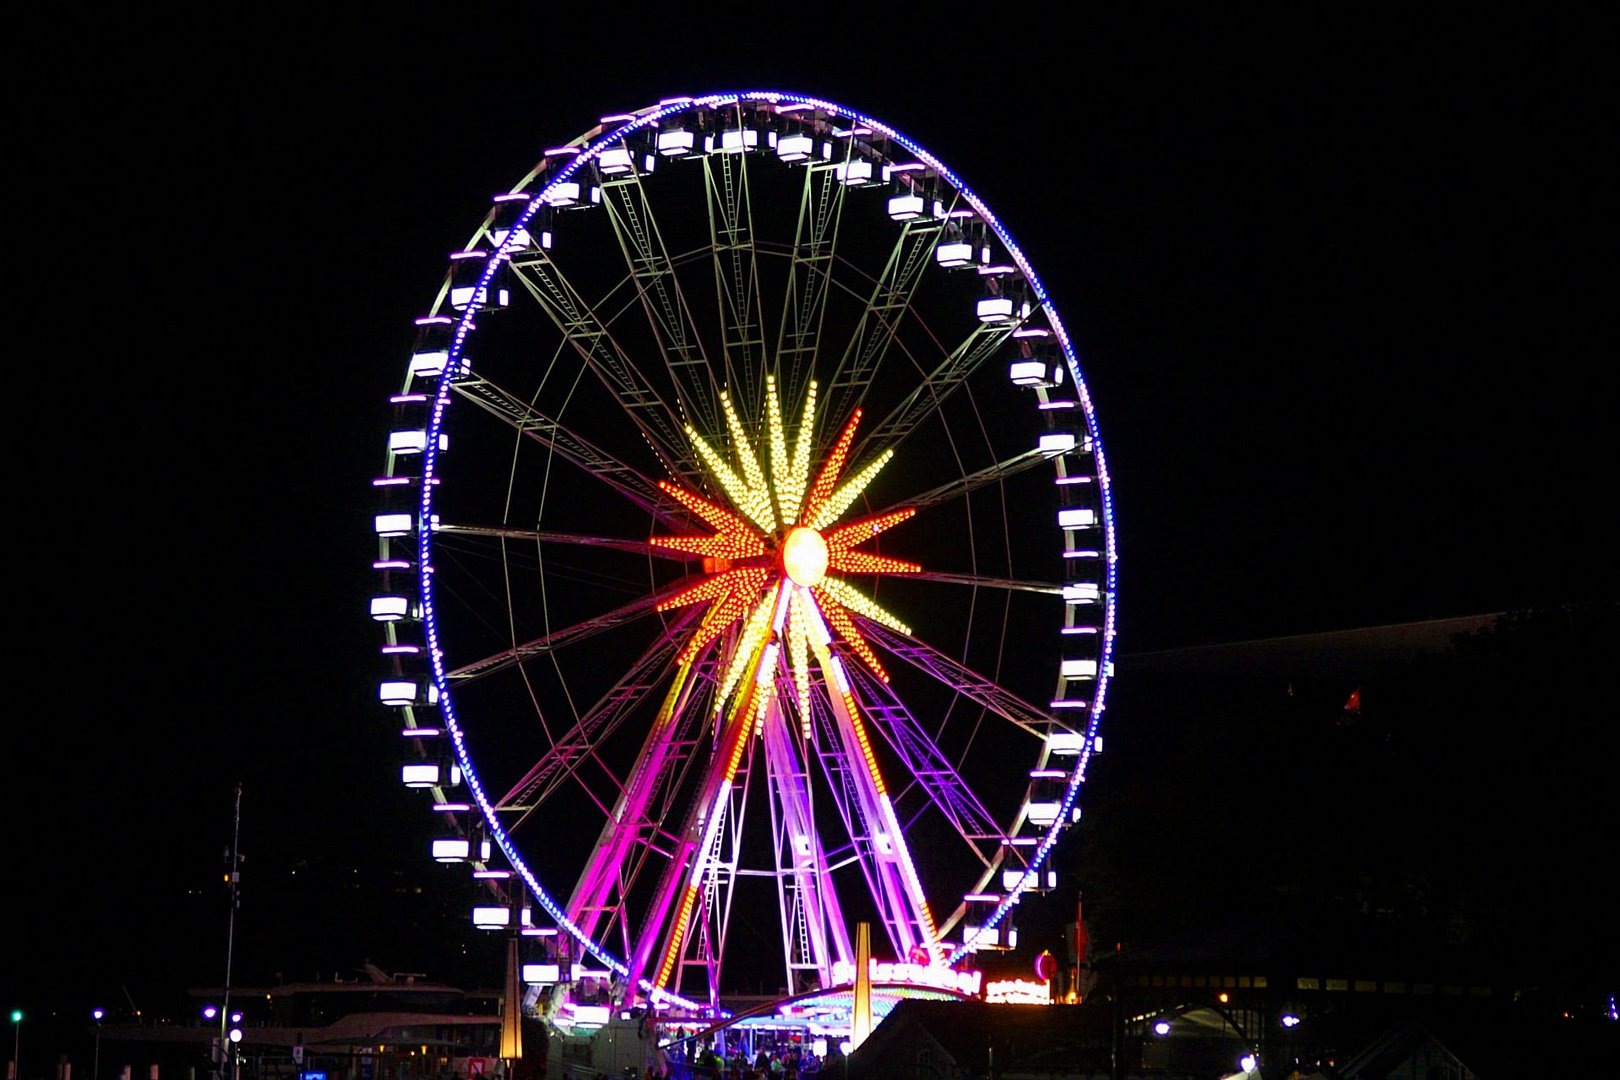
x: 1079, y: 933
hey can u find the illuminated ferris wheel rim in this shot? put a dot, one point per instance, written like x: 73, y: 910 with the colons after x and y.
x: 589, y: 148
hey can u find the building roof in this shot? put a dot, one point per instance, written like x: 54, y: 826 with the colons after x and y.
x: 1037, y: 1037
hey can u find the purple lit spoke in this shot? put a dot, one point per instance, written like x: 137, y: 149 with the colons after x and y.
x: 925, y: 763
x: 957, y: 676
x: 645, y: 676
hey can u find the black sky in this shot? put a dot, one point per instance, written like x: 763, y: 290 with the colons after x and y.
x: 1335, y: 282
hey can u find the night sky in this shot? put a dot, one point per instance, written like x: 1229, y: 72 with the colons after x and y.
x: 1334, y: 282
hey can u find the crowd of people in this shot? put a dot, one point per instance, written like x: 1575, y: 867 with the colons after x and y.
x: 790, y: 1062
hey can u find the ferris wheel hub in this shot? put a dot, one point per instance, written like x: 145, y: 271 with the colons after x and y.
x: 804, y: 557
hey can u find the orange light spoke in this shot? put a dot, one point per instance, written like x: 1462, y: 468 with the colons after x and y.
x: 856, y: 532
x: 840, y: 620
x: 828, y: 480
x: 721, y: 584
x: 722, y: 519
x: 715, y: 547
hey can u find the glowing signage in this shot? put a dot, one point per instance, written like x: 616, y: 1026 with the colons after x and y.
x: 1018, y: 992
x: 936, y: 976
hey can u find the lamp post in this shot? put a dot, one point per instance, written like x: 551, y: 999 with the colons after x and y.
x: 16, y: 1044
x: 95, y: 1062
x: 233, y: 878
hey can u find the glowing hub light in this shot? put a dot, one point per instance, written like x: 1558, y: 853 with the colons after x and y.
x: 804, y: 557
x: 783, y: 608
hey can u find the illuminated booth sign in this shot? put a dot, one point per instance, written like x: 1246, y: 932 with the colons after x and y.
x: 1018, y: 992
x: 940, y: 978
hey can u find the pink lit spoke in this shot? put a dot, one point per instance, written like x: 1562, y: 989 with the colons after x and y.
x: 635, y: 832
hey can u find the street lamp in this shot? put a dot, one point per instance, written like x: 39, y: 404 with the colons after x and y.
x: 15, y: 1072
x: 95, y: 1066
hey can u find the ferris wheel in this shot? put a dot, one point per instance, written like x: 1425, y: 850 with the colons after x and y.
x: 745, y: 558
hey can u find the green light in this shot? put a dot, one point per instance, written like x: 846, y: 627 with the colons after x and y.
x: 16, y: 1016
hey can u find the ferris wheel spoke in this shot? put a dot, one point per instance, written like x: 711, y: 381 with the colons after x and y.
x: 643, y: 677
x: 971, y: 482
x: 877, y: 839
x: 886, y: 307
x: 571, y: 447
x: 1046, y: 588
x: 547, y: 536
x: 809, y: 282
x: 558, y: 639
x: 585, y: 332
x: 736, y: 273
x: 662, y: 936
x: 969, y: 683
x: 657, y: 286
x: 636, y: 821
x: 814, y: 933
x: 938, y: 385
x: 923, y: 761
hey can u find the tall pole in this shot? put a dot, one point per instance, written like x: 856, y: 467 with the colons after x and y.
x: 16, y: 1043
x: 95, y: 1062
x: 233, y: 879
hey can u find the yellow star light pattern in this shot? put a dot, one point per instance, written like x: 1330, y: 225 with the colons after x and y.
x: 770, y: 563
